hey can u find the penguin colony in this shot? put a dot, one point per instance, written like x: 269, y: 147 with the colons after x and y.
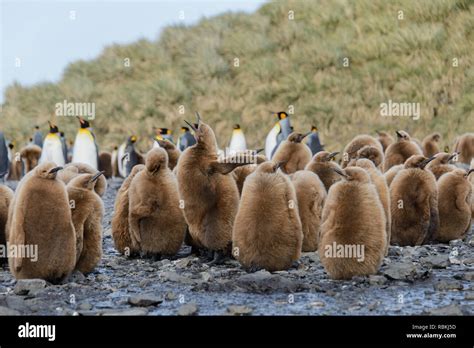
x: 263, y: 210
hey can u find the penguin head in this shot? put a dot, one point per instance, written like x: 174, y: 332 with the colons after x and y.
x: 85, y: 181
x: 132, y: 139
x: 314, y: 129
x: 418, y: 161
x: 467, y: 173
x: 324, y: 156
x: 11, y: 145
x: 84, y: 123
x: 435, y: 137
x: 381, y: 133
x: 444, y: 158
x: 156, y: 159
x: 165, y: 144
x: 37, y: 127
x: 354, y: 174
x: 163, y: 131
x: 365, y: 163
x: 297, y: 137
x: 269, y: 167
x: 370, y: 152
x: 203, y: 133
x: 236, y: 128
x: 402, y: 135
x: 282, y: 115
x: 184, y: 129
x: 47, y: 170
x: 53, y: 129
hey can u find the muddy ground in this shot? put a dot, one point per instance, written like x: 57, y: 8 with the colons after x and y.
x: 432, y: 280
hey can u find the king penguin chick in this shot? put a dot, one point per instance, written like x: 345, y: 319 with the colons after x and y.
x: 465, y: 147
x: 38, y: 137
x: 6, y: 197
x: 157, y: 224
x: 390, y: 174
x: 313, y: 142
x: 68, y: 173
x: 52, y: 147
x: 310, y: 194
x: 454, y: 205
x: 171, y: 150
x: 440, y: 164
x: 16, y: 164
x: 114, y: 162
x: 385, y: 139
x: 105, y: 163
x: 30, y: 155
x: 241, y: 173
x: 41, y: 217
x: 353, y: 238
x: 85, y: 148
x: 120, y: 225
x: 357, y: 143
x: 267, y: 231
x: 400, y: 151
x: 371, y: 153
x: 186, y: 139
x: 87, y: 211
x: 383, y: 192
x: 323, y: 165
x: 237, y: 141
x: 414, y: 203
x: 210, y: 197
x: 430, y: 144
x: 293, y: 153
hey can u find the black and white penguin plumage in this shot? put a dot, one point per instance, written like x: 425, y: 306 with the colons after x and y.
x: 314, y: 142
x: 278, y: 133
x: 52, y: 147
x: 85, y: 148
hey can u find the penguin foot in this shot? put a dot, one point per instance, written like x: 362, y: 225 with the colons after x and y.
x: 219, y: 258
x: 252, y: 269
x: 208, y: 255
x: 295, y: 264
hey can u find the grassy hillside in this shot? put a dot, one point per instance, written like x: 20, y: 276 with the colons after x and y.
x: 282, y: 62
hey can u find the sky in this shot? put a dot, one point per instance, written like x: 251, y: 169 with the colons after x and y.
x: 38, y: 39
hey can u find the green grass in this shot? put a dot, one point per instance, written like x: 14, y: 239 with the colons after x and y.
x: 281, y: 63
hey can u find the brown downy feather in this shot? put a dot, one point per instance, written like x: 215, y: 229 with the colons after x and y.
x: 400, y: 151
x: 293, y: 153
x: 30, y: 155
x: 105, y: 163
x: 430, y: 144
x: 322, y: 165
x: 440, y: 165
x: 351, y: 149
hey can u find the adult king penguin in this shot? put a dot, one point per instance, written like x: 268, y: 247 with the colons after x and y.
x: 186, y: 139
x: 85, y: 147
x: 279, y: 132
x: 237, y: 142
x: 38, y: 137
x: 313, y: 142
x: 52, y: 147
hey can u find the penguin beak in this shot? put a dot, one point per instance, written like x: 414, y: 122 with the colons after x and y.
x: 453, y: 156
x: 332, y: 155
x: 96, y: 176
x: 279, y: 165
x: 469, y: 172
x: 80, y: 119
x: 198, y: 118
x: 259, y: 150
x: 426, y: 161
x: 399, y: 135
x: 191, y: 125
x: 304, y: 136
x: 55, y: 170
x: 340, y: 172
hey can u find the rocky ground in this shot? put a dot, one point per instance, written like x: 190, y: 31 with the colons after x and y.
x: 432, y: 280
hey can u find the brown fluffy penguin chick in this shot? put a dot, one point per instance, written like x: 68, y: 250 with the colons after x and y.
x: 370, y: 152
x: 105, y: 164
x: 454, y: 205
x: 210, y: 197
x: 357, y: 143
x: 392, y: 172
x: 378, y: 179
x: 385, y: 139
x: 41, y: 217
x: 430, y: 144
x: 310, y: 193
x: 83, y: 168
x: 400, y: 151
x: 6, y: 197
x: 414, y: 203
x: 120, y: 225
x: 87, y: 212
x: 172, y: 151
x: 241, y: 173
x: 114, y: 162
x: 323, y: 166
x: 465, y: 147
x: 353, y: 238
x: 440, y: 165
x: 267, y: 231
x: 293, y: 153
x: 157, y: 224
x: 16, y: 165
x: 30, y: 155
